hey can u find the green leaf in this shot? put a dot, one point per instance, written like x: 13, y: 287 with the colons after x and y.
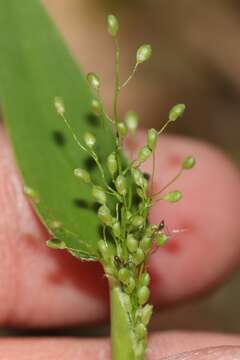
x: 35, y: 67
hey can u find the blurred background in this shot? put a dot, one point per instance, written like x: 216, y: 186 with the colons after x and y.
x: 196, y: 60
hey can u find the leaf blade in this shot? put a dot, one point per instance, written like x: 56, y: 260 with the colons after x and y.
x: 35, y: 66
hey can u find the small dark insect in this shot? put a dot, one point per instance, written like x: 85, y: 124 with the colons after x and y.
x: 146, y: 176
x: 120, y: 263
x: 161, y: 226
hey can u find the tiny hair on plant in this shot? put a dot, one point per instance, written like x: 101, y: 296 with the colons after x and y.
x: 127, y: 238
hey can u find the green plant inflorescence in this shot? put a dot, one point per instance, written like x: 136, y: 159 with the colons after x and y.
x: 127, y: 238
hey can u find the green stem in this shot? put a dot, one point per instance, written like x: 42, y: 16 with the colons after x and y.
x: 130, y: 77
x: 115, y: 102
x: 124, y: 343
x: 117, y: 81
x: 169, y: 183
x: 164, y: 127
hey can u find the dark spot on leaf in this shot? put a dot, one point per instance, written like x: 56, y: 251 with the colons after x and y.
x: 83, y: 204
x: 92, y: 119
x: 146, y: 176
x: 95, y: 206
x: 90, y: 164
x: 59, y: 138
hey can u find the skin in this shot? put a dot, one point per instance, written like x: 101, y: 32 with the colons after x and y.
x: 45, y: 288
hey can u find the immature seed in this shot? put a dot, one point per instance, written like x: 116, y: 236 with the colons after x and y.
x: 143, y: 53
x: 132, y: 243
x: 96, y: 107
x: 138, y: 256
x: 173, y: 196
x: 112, y: 163
x: 99, y: 194
x: 152, y: 138
x: 124, y: 275
x: 138, y: 221
x: 138, y: 177
x: 146, y: 243
x: 176, y: 112
x: 161, y: 239
x: 132, y: 121
x: 144, y: 154
x: 188, y: 163
x: 122, y: 129
x: 116, y: 228
x: 143, y: 295
x: 89, y: 139
x: 131, y: 285
x: 146, y: 314
x: 82, y: 174
x: 121, y: 185
x: 112, y: 25
x: 141, y: 331
x: 93, y: 81
x: 59, y: 105
x: 145, y: 279
x: 104, y: 250
x: 104, y: 215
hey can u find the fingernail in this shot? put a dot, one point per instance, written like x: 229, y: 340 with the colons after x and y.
x: 213, y: 353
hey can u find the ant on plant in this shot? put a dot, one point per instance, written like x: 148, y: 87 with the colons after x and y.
x: 163, y: 226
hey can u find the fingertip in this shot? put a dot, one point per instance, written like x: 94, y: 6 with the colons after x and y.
x: 191, y: 262
x: 209, y: 249
x: 39, y: 286
x: 166, y: 345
